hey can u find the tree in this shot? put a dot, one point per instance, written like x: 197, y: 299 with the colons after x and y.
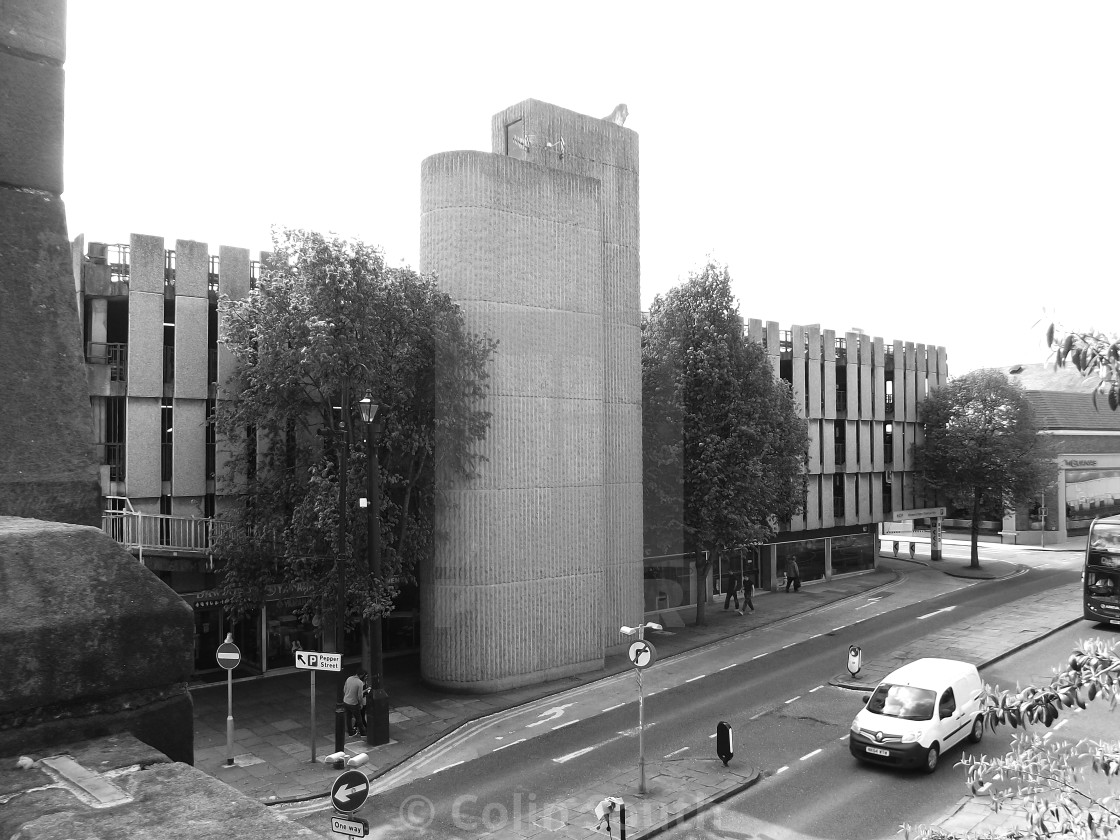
x: 1045, y: 775
x: 1091, y: 352
x: 326, y: 321
x: 723, y: 448
x: 982, y: 448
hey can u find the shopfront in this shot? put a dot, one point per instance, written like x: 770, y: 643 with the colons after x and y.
x: 1091, y: 488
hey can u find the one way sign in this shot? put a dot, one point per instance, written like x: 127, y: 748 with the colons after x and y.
x: 350, y: 791
x: 311, y: 660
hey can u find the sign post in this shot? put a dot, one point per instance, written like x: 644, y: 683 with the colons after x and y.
x: 229, y: 657
x: 642, y: 654
x: 312, y: 660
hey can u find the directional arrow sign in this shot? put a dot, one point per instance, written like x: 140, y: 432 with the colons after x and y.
x: 551, y: 714
x: 311, y: 660
x: 350, y: 790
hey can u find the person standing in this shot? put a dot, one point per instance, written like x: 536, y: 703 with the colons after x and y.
x: 793, y: 574
x: 731, y: 586
x: 748, y: 592
x: 352, y: 692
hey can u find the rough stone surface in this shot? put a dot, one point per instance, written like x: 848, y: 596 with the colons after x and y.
x: 93, y: 641
x: 161, y: 799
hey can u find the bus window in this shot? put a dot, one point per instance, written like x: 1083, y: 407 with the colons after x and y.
x: 1101, y: 575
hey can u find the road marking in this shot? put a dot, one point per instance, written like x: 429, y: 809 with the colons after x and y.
x: 575, y: 754
x: 1060, y: 724
x: 781, y: 770
x: 615, y: 706
x: 790, y: 700
x: 818, y: 688
x: 816, y: 635
x: 550, y: 715
x: 569, y: 723
x: 694, y: 679
x: 759, y: 656
x: 712, y: 735
x: 810, y: 755
x: 936, y: 612
x: 674, y: 752
x: 449, y: 766
x: 732, y: 665
x: 510, y: 744
x: 756, y: 717
x: 837, y: 629
x: 870, y: 603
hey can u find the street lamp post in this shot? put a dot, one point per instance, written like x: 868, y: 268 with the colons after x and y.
x: 340, y: 605
x: 377, y: 703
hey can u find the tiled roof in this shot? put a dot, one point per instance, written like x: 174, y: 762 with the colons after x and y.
x: 1055, y: 410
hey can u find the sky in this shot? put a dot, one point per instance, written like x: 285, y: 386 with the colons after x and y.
x: 945, y: 173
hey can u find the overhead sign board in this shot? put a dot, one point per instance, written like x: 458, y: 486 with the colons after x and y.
x: 350, y: 826
x: 229, y: 655
x: 917, y: 513
x: 349, y: 791
x: 311, y: 660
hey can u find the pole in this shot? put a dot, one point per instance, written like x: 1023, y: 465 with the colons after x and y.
x: 641, y: 738
x: 229, y: 717
x: 312, y: 717
x: 377, y: 703
x: 622, y: 821
x: 1042, y: 523
x: 340, y: 605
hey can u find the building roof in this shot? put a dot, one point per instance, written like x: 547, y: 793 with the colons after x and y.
x: 1056, y: 411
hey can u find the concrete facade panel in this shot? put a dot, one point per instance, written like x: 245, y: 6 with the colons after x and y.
x: 145, y: 344
x: 142, y: 455
x: 148, y: 258
x: 828, y: 366
x: 188, y: 467
x: 192, y: 320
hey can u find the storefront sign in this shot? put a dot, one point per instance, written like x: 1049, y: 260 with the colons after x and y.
x: 917, y: 513
x: 1073, y: 463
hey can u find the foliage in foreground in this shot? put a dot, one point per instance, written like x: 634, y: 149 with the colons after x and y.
x: 1042, y: 774
x: 1090, y: 353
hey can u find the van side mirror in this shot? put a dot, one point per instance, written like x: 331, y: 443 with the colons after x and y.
x: 867, y: 699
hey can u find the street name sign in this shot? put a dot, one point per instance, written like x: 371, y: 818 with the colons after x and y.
x: 917, y: 513
x: 350, y: 826
x: 349, y: 791
x: 229, y: 655
x: 311, y: 660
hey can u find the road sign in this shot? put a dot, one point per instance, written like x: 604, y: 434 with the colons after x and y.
x: 917, y: 513
x: 311, y: 660
x: 642, y: 654
x: 855, y: 659
x: 352, y: 826
x: 229, y: 655
x: 350, y: 790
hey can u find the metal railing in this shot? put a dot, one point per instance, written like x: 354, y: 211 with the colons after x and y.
x: 156, y: 531
x: 113, y: 355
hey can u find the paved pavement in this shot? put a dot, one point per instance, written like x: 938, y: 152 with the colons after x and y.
x: 272, y: 736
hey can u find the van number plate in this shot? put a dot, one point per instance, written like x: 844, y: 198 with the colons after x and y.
x: 877, y: 751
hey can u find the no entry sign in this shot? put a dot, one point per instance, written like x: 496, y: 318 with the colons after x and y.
x: 229, y: 655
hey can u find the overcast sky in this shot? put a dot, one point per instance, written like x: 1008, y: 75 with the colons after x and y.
x: 945, y: 173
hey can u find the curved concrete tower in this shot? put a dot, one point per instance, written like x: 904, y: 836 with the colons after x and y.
x: 538, y: 561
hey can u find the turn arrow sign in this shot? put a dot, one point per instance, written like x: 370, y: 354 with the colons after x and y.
x: 350, y: 790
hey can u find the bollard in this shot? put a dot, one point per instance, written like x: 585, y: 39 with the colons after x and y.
x: 725, y: 744
x: 912, y: 547
x: 896, y: 548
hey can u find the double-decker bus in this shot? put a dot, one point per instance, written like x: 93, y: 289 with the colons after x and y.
x: 1101, y: 576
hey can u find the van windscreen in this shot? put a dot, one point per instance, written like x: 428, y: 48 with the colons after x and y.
x: 902, y: 701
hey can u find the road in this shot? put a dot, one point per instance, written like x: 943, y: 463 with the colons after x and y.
x: 770, y: 684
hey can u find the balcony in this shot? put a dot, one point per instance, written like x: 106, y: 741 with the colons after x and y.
x: 159, y: 532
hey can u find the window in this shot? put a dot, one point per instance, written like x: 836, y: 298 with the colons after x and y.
x: 948, y: 704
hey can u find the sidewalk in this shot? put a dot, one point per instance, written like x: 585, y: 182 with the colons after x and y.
x: 272, y: 748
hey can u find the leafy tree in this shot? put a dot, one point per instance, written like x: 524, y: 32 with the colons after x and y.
x: 982, y: 448
x: 723, y: 447
x: 326, y: 321
x: 1043, y: 774
x: 1091, y: 352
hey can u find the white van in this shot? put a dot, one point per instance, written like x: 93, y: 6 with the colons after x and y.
x: 917, y: 712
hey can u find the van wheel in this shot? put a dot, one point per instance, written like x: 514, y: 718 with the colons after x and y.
x: 977, y: 730
x: 932, y: 755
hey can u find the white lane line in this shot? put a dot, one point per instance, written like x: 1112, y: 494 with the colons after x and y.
x: 937, y: 612
x: 837, y: 629
x: 449, y: 766
x: 781, y: 770
x: 694, y: 679
x: 569, y: 723
x: 732, y: 665
x: 575, y: 754
x: 510, y: 744
x: 816, y: 635
x: 756, y: 717
x: 845, y: 738
x: 790, y: 700
x: 1060, y: 724
x: 674, y: 752
x: 712, y: 735
x: 810, y: 755
x: 759, y: 656
x: 818, y: 688
x: 615, y: 706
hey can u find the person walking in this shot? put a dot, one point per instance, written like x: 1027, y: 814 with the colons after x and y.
x: 352, y: 693
x: 731, y: 586
x: 793, y: 574
x: 748, y: 592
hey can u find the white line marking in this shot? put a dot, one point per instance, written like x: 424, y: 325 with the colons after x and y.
x: 575, y: 754
x: 936, y: 612
x: 732, y: 665
x: 615, y: 706
x: 510, y: 744
x: 449, y: 766
x: 810, y: 755
x: 759, y: 656
x: 712, y: 735
x: 756, y: 717
x: 674, y: 752
x: 837, y: 629
x: 1061, y: 723
x: 816, y: 635
x: 818, y: 688
x: 790, y: 700
x: 781, y: 770
x: 694, y: 679
x: 569, y: 723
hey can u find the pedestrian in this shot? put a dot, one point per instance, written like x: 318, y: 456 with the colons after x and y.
x: 731, y: 586
x: 793, y: 574
x: 748, y: 591
x: 352, y: 691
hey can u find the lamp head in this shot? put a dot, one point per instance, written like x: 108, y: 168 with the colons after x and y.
x: 627, y: 631
x: 368, y: 407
